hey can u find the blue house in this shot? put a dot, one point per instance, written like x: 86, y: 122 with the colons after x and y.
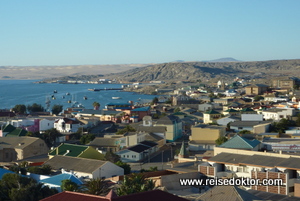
x: 55, y: 181
x: 238, y: 142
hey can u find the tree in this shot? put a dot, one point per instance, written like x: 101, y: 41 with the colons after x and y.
x: 112, y: 157
x: 135, y: 183
x: 151, y: 169
x: 154, y: 101
x: 19, y: 109
x: 50, y: 135
x: 128, y: 128
x: 96, y: 105
x: 35, y: 108
x: 125, y: 166
x: 16, y: 187
x: 44, y: 170
x: 221, y: 140
x: 68, y: 185
x: 258, y: 98
x: 95, y: 187
x: 56, y: 109
x: 87, y: 138
x: 245, y: 132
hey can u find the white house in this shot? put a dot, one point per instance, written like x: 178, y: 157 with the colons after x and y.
x: 277, y: 114
x: 46, y: 124
x: 66, y: 125
x: 85, y: 168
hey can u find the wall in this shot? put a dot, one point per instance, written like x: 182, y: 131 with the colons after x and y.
x: 171, y: 182
x: 206, y: 134
x: 110, y: 170
x: 36, y: 148
x: 218, y: 150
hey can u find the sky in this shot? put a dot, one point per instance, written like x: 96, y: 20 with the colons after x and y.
x: 79, y: 32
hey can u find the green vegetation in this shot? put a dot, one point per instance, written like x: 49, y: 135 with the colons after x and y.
x: 43, y: 170
x: 135, y: 183
x: 50, y: 135
x: 281, y: 126
x: 56, y: 109
x: 68, y: 185
x: 125, y: 166
x: 112, y: 157
x: 35, y: 108
x: 95, y: 187
x: 245, y: 132
x: 221, y: 140
x: 151, y: 169
x: 128, y: 128
x: 85, y: 139
x: 16, y: 187
x: 258, y: 98
x: 19, y: 109
x: 96, y: 105
x: 154, y: 101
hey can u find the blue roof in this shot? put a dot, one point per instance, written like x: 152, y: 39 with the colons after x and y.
x: 141, y: 109
x: 4, y: 171
x: 238, y: 142
x: 56, y: 180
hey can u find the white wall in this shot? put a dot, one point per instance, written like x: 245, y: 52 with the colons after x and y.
x: 46, y: 124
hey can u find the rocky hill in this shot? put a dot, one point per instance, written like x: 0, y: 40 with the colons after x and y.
x: 181, y: 71
x: 208, y: 70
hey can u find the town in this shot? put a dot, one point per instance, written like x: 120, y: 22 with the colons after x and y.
x: 223, y: 130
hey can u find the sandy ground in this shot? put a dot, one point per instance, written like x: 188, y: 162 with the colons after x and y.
x: 42, y: 72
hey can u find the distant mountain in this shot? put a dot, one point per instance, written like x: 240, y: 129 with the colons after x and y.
x: 226, y: 59
x: 181, y: 71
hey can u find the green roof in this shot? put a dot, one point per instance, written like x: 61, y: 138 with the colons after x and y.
x: 238, y: 142
x: 17, y: 133
x: 231, y: 110
x: 211, y: 112
x: 247, y: 110
x: 74, y: 150
x: 13, y: 131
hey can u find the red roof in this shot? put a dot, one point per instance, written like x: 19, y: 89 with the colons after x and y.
x: 74, y: 196
x: 156, y: 195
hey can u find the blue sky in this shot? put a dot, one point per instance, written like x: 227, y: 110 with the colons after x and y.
x: 77, y: 32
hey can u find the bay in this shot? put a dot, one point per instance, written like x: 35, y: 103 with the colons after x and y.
x: 13, y: 92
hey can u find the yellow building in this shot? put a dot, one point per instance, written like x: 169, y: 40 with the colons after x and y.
x: 203, y: 136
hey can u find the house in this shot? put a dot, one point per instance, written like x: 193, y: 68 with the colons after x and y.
x: 282, y: 144
x: 211, y: 116
x: 157, y: 195
x: 225, y: 120
x: 66, y: 125
x: 227, y: 193
x: 141, y: 112
x: 78, y: 151
x: 85, y: 168
x: 103, y: 115
x: 6, y: 115
x: 247, y: 110
x: 105, y: 144
x: 203, y: 136
x: 138, y: 152
x: 231, y: 112
x: 173, y: 127
x: 205, y: 107
x: 11, y: 131
x: 278, y: 114
x: 282, y: 170
x: 46, y: 124
x: 18, y: 148
x: 238, y: 142
x: 256, y: 89
x: 252, y: 126
x: 56, y: 181
x: 222, y: 101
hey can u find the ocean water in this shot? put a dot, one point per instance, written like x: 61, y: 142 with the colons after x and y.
x: 13, y: 92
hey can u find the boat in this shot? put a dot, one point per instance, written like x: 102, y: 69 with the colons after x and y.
x: 69, y: 101
x: 94, y: 89
x: 53, y: 97
x: 84, y: 98
x: 67, y: 93
x: 62, y: 97
x: 116, y: 97
x: 54, y: 91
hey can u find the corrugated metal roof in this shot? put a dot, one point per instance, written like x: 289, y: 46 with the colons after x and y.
x: 57, y: 179
x: 238, y: 142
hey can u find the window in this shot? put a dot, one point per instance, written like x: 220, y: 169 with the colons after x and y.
x: 6, y: 155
